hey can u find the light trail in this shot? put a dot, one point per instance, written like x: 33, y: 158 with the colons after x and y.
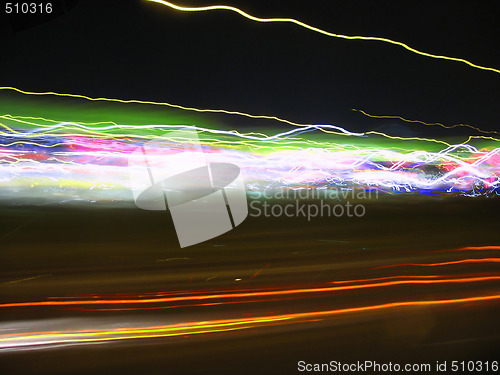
x: 252, y: 294
x: 89, y: 160
x: 322, y: 127
x: 259, y: 271
x: 331, y: 128
x: 471, y: 248
x: 425, y: 123
x: 318, y: 30
x: 134, y: 101
x: 27, y: 339
x: 462, y: 261
x: 49, y: 151
x: 99, y: 132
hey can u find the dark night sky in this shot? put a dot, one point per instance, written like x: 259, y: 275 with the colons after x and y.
x: 135, y: 49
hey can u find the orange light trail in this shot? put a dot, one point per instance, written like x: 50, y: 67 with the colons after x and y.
x: 475, y: 248
x: 225, y: 325
x: 462, y: 261
x: 385, y: 278
x: 259, y: 271
x: 248, y: 294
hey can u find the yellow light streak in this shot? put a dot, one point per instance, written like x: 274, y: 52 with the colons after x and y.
x: 425, y: 123
x: 318, y: 30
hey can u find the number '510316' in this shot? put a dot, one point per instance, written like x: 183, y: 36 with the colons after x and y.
x: 28, y: 8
